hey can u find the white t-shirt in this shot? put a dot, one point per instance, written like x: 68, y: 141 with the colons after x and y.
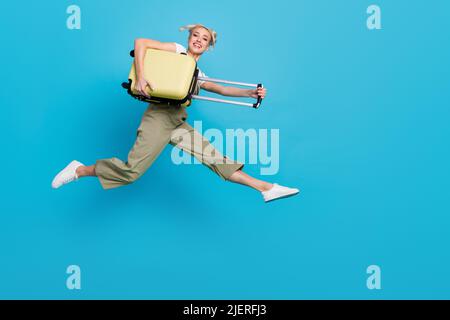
x: 180, y: 49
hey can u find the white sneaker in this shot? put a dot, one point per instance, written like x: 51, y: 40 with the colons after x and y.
x: 278, y: 192
x: 66, y: 175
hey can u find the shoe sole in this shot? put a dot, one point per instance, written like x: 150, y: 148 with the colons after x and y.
x: 283, y: 197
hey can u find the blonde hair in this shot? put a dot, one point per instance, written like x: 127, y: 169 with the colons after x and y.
x: 192, y: 27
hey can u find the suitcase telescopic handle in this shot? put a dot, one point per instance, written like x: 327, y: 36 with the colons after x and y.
x: 258, y: 102
x: 254, y: 105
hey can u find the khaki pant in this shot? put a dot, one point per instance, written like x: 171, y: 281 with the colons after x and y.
x: 161, y: 125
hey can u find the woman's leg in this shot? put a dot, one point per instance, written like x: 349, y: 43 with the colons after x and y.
x: 86, y: 171
x: 242, y: 178
x: 191, y: 141
x: 153, y: 135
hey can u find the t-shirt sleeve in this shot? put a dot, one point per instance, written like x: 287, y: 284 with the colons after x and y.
x: 179, y: 48
x: 201, y: 74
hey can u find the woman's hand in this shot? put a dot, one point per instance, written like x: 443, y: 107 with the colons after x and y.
x: 141, y: 87
x: 259, y: 92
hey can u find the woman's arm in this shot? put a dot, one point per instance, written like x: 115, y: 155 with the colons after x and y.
x: 233, y: 91
x: 140, y: 47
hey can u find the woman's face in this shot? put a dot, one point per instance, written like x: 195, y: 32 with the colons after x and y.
x: 199, y: 40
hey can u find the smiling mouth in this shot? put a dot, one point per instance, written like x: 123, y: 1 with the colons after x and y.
x: 197, y: 45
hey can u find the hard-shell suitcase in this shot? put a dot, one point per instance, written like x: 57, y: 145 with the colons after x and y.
x: 175, y: 77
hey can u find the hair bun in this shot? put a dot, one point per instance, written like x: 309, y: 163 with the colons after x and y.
x: 191, y: 27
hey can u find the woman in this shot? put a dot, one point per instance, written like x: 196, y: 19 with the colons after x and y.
x: 162, y: 124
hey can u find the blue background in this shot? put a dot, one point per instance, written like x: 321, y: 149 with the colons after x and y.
x: 363, y: 118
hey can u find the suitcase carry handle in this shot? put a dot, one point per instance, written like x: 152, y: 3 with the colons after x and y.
x: 254, y: 105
